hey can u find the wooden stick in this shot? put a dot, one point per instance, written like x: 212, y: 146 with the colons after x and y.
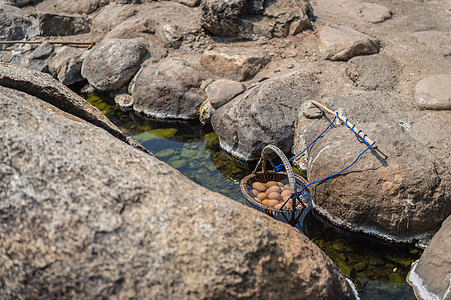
x: 351, y: 126
x: 51, y: 42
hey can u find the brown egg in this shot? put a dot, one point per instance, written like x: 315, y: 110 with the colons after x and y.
x: 254, y: 192
x: 285, y: 198
x: 274, y: 188
x: 262, y: 196
x: 287, y: 187
x: 274, y: 195
x: 270, y: 202
x: 280, y: 184
x: 261, y: 187
x: 271, y: 183
x: 279, y: 205
x: 285, y: 193
x: 258, y: 200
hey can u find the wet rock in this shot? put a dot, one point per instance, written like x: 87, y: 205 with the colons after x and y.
x: 222, y: 91
x: 45, y: 87
x: 113, y: 62
x: 362, y: 11
x: 15, y: 24
x: 124, y: 101
x: 434, y: 92
x: 206, y: 111
x: 66, y: 65
x: 235, y: 63
x: 343, y: 43
x: 80, y: 6
x: 373, y: 72
x: 67, y: 24
x: 112, y: 15
x: 264, y: 114
x: 430, y: 274
x: 401, y: 198
x: 19, y: 3
x: 154, y: 234
x: 168, y: 89
x: 238, y: 18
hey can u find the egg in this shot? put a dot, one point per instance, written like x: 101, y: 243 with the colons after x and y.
x: 286, y: 186
x: 274, y: 195
x: 261, y: 187
x: 285, y: 193
x: 274, y: 188
x: 271, y: 183
x: 279, y: 205
x: 254, y: 192
x: 271, y: 203
x: 258, y: 200
x: 262, y: 196
x: 280, y: 184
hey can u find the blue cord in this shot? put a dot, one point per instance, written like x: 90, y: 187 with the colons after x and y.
x: 279, y: 167
x: 338, y: 173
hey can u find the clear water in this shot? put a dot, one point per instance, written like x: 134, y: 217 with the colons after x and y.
x: 378, y: 269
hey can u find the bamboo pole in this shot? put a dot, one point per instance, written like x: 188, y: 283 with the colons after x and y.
x: 350, y: 126
x: 89, y: 44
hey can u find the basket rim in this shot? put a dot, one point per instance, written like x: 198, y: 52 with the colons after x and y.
x: 244, y: 191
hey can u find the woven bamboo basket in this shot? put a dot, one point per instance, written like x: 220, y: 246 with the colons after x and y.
x: 292, y: 212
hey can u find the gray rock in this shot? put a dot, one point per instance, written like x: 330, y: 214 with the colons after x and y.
x: 264, y: 114
x: 190, y: 3
x: 87, y: 216
x: 43, y: 51
x: 133, y: 28
x: 402, y: 198
x: 234, y: 63
x: 312, y: 113
x: 66, y: 64
x: 66, y: 24
x: 168, y: 89
x: 222, y: 91
x: 38, y: 59
x: 19, y: 3
x: 15, y: 25
x: 112, y: 15
x: 239, y: 18
x: 79, y: 6
x: 113, y: 62
x: 342, y: 43
x: 434, y: 92
x: 430, y: 274
x: 44, y: 86
x: 373, y: 72
x: 354, y: 9
x: 171, y: 35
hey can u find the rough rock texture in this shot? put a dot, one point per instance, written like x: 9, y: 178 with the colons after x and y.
x: 361, y: 11
x: 19, y: 3
x: 222, y: 91
x: 132, y: 28
x: 264, y: 114
x: 434, y: 92
x: 15, y: 24
x: 168, y: 89
x: 38, y: 60
x: 112, y: 15
x: 401, y: 198
x: 79, y: 6
x: 54, y: 24
x: 238, y: 18
x: 342, y: 43
x: 45, y: 87
x: 190, y: 3
x: 113, y: 62
x: 430, y: 275
x: 235, y: 63
x: 66, y: 65
x: 439, y: 41
x: 373, y: 72
x: 86, y: 216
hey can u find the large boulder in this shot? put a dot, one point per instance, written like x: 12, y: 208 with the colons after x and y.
x: 87, y: 216
x: 170, y: 88
x: 19, y: 3
x: 79, y: 6
x: 113, y: 62
x: 430, y: 275
x: 401, y: 198
x: 16, y: 25
x: 246, y: 19
x: 56, y: 24
x: 264, y: 114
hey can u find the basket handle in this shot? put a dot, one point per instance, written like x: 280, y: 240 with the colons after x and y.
x: 262, y: 162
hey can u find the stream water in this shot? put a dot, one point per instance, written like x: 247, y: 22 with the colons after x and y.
x: 377, y: 268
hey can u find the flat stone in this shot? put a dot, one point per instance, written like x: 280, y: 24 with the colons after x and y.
x: 113, y: 62
x: 362, y: 11
x: 132, y: 28
x: 222, y: 91
x: 430, y: 274
x: 112, y: 15
x: 434, y: 92
x: 86, y: 216
x: 312, y: 113
x: 373, y: 72
x: 124, y: 100
x: 67, y: 24
x: 439, y: 41
x: 168, y: 89
x: 234, y: 63
x: 343, y: 43
x: 44, y: 50
x: 79, y: 6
